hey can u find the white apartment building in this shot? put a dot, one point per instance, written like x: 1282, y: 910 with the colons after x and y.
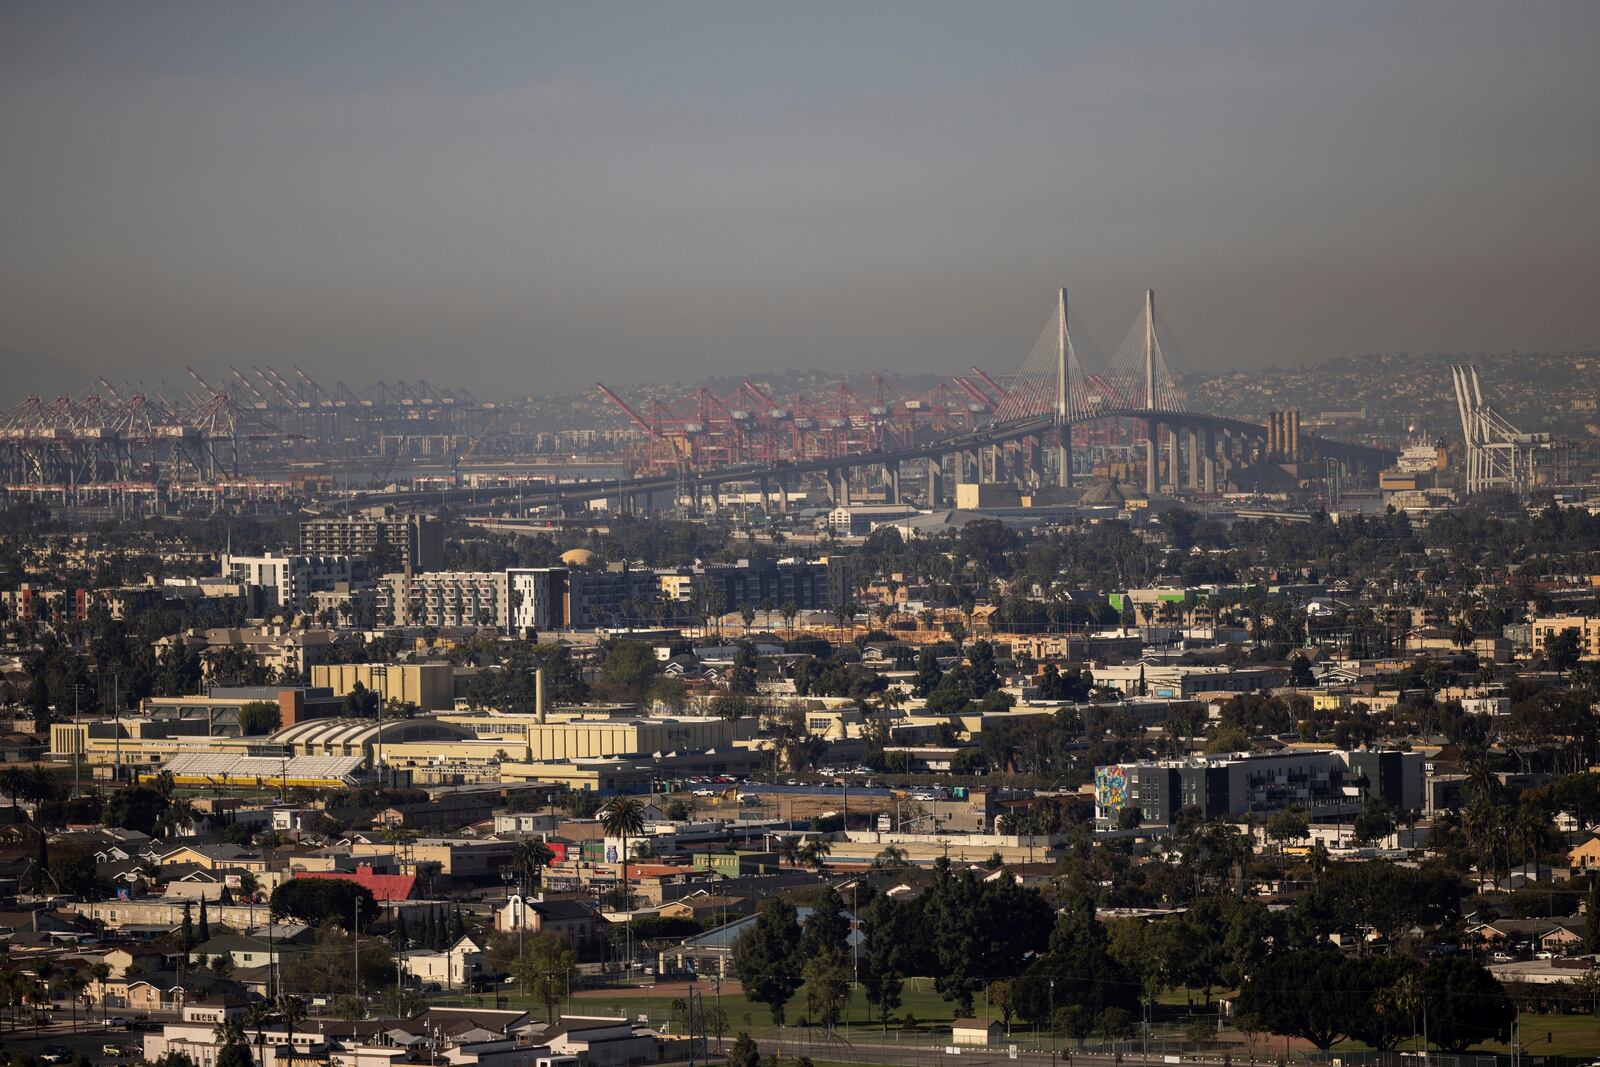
x: 289, y: 581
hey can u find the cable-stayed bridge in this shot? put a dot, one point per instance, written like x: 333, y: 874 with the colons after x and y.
x: 1064, y: 395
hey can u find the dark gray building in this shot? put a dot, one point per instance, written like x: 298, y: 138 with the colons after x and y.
x: 1325, y: 782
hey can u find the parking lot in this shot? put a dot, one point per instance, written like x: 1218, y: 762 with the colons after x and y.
x: 85, y: 1042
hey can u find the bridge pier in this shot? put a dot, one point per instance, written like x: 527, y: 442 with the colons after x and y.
x: 783, y: 494
x: 1194, y: 459
x: 766, y: 497
x: 935, y: 477
x: 1151, y: 461
x: 891, y: 475
x: 1064, y: 455
x: 1209, y: 464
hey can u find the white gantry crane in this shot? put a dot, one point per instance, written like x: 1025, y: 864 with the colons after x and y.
x: 1499, y: 456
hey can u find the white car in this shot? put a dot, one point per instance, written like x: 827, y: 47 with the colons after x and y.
x: 705, y: 792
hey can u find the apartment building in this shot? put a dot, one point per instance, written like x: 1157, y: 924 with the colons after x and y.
x: 1548, y: 629
x: 289, y: 581
x: 446, y: 598
x: 391, y: 542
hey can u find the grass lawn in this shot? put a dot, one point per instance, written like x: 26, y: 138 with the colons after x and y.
x: 1571, y: 1035
x: 918, y: 1000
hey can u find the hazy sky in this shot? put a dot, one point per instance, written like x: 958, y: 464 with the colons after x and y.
x: 525, y: 197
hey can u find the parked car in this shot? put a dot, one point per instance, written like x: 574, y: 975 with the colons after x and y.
x: 116, y: 1051
x: 55, y: 1054
x: 116, y: 1022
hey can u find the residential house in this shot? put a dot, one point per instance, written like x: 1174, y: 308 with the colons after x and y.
x: 1585, y: 857
x: 455, y: 967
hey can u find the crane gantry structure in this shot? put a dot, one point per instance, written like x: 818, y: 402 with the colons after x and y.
x: 706, y: 431
x: 208, y: 430
x: 1499, y: 456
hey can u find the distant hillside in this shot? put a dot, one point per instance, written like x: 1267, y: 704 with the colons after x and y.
x: 1401, y: 393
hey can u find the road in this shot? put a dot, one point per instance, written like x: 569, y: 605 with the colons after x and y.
x: 86, y: 1042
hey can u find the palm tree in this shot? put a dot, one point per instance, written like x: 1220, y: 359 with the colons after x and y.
x: 76, y: 983
x: 292, y: 1010
x: 529, y: 858
x: 623, y: 817
x: 230, y: 1031
x: 842, y: 611
x: 789, y: 611
x: 815, y: 854
x: 13, y: 780
x: 178, y: 814
x: 101, y: 971
x: 892, y: 858
x: 255, y: 1018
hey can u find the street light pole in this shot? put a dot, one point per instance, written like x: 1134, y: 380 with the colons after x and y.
x: 1052, y: 1022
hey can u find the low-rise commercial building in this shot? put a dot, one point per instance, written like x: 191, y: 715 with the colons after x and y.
x: 1323, y: 782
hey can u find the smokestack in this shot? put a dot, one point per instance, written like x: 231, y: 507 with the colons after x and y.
x: 538, y: 694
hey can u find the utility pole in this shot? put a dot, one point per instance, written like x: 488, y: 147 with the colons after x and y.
x: 77, y: 738
x: 355, y: 931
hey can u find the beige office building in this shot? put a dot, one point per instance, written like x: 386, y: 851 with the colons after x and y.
x: 430, y: 686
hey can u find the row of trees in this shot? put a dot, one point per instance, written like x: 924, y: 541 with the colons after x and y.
x: 1053, y: 963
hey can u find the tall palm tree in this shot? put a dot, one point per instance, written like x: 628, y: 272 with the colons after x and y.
x: 624, y: 818
x: 101, y: 971
x: 13, y: 780
x: 255, y: 1019
x: 528, y: 859
x: 292, y: 1010
x: 76, y: 983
